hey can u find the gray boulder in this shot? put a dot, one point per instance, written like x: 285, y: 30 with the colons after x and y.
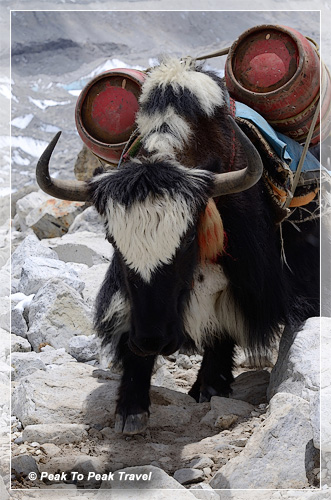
x: 84, y: 348
x: 30, y: 247
x: 297, y: 370
x: 220, y: 407
x: 56, y: 314
x: 62, y: 394
x: 23, y: 465
x: 89, y: 220
x: 27, y: 204
x: 82, y: 247
x: 156, y: 479
x: 55, y: 433
x: 19, y: 344
x: 52, y: 218
x: 25, y: 363
x: 38, y: 270
x: 275, y: 455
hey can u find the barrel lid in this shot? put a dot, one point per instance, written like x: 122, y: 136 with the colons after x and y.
x: 106, y: 111
x: 264, y: 58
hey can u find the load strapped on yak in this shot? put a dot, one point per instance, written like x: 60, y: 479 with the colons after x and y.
x: 273, y: 77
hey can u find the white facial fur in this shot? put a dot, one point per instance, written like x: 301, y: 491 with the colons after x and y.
x: 166, y: 143
x: 182, y: 75
x: 148, y: 233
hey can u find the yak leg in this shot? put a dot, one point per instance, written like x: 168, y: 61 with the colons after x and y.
x: 132, y: 410
x: 215, y: 374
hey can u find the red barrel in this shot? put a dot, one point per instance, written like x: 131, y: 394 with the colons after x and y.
x: 106, y: 111
x: 276, y: 71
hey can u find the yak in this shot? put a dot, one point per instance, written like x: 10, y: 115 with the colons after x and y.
x: 198, y: 259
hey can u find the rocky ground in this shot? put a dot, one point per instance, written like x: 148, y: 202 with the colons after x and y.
x: 265, y: 436
x: 63, y: 393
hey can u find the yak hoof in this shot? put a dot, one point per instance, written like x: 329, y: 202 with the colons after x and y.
x: 132, y: 424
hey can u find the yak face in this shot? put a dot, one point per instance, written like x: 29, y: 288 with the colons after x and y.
x: 151, y: 212
x: 175, y: 97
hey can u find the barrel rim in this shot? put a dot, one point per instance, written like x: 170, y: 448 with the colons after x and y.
x: 82, y: 131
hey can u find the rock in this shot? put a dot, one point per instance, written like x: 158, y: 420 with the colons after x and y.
x: 164, y: 397
x: 203, y: 491
x: 25, y: 363
x: 64, y: 394
x: 30, y: 247
x: 50, y: 449
x: 89, y: 220
x: 51, y: 356
x: 251, y: 387
x: 22, y: 465
x: 85, y: 164
x: 183, y: 361
x: 4, y: 345
x: 160, y: 480
x: 57, y: 313
x: 225, y: 421
x: 27, y: 204
x: 37, y: 271
x: 241, y: 443
x: 84, y: 348
x: 163, y: 378
x: 53, y: 217
x: 82, y: 247
x: 189, y: 476
x: 86, y: 465
x: 6, y: 279
x: 93, y: 278
x: 21, y: 193
x: 221, y: 407
x: 5, y: 314
x: 278, y: 446
x: 201, y: 462
x: 18, y: 323
x: 297, y: 370
x: 19, y: 344
x: 55, y: 433
x: 326, y: 391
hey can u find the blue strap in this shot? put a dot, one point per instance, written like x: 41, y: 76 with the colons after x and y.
x: 285, y: 147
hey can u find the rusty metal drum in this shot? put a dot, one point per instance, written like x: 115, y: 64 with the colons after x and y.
x: 276, y: 71
x: 106, y: 110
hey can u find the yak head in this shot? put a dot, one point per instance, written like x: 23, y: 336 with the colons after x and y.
x: 153, y: 204
x: 151, y: 212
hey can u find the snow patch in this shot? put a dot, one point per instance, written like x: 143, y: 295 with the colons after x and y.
x: 74, y: 88
x: 46, y: 103
x: 22, y: 121
x: 16, y: 158
x: 24, y: 300
x: 33, y: 147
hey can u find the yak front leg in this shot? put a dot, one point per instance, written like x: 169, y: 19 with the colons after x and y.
x: 215, y: 374
x: 132, y: 410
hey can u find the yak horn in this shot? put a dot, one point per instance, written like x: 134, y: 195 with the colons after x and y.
x: 235, y: 182
x: 65, y: 190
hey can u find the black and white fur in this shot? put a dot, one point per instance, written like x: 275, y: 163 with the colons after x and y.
x: 158, y: 296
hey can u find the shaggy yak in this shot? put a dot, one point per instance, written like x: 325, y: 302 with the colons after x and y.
x: 198, y: 250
